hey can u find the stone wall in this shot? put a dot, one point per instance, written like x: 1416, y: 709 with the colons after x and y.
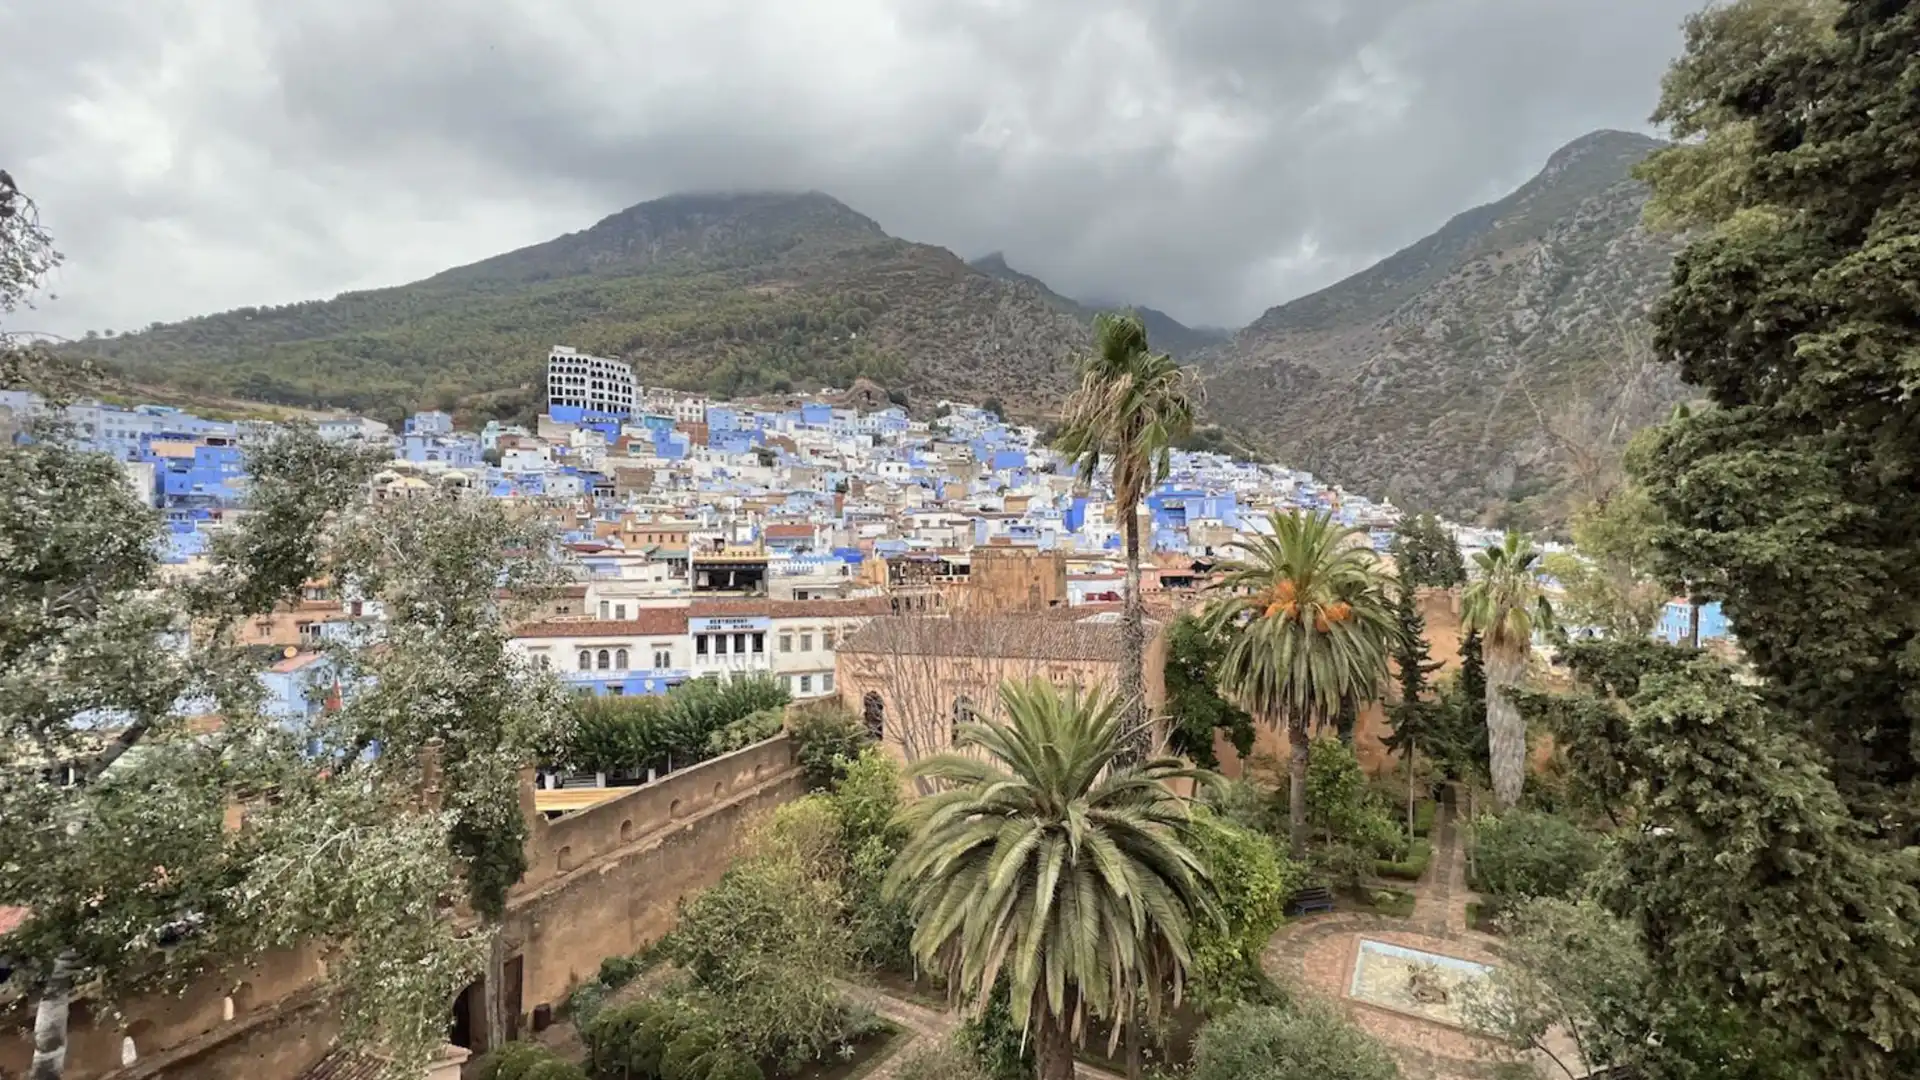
x: 601, y: 882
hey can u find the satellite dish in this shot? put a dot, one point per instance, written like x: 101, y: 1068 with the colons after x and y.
x: 291, y: 652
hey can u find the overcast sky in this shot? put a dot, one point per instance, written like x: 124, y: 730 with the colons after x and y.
x: 1209, y: 157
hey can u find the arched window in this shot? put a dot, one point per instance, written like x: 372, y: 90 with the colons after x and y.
x: 620, y: 660
x: 874, y: 712
x: 605, y: 659
x: 586, y: 660
x: 962, y: 714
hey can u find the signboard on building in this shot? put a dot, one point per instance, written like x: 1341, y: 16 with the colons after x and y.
x: 729, y: 624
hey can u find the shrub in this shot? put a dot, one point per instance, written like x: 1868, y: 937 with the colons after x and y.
x: 688, y: 1057
x: 555, y: 1069
x: 513, y: 1061
x: 939, y: 1060
x: 752, y: 728
x: 1251, y: 882
x: 1423, y: 814
x: 727, y: 1064
x: 827, y: 741
x: 988, y: 1037
x: 1303, y: 1043
x: 1342, y: 807
x: 1524, y: 853
x: 1409, y: 868
x: 1344, y: 867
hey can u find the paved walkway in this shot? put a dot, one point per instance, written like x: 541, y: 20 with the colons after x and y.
x: 1315, y: 954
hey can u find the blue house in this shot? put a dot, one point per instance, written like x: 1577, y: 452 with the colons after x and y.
x: 1675, y: 617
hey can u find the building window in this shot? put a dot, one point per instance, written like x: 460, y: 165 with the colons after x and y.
x: 616, y: 690
x: 740, y: 644
x: 720, y: 644
x: 826, y: 640
x: 700, y: 644
x: 605, y: 660
x: 826, y: 683
x: 662, y: 659
x: 606, y: 610
x: 806, y: 642
x: 874, y: 712
x: 786, y: 643
x: 620, y: 611
x: 759, y: 643
x: 806, y: 684
x: 586, y: 660
x: 620, y: 660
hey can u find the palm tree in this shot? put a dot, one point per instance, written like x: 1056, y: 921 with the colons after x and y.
x: 1131, y: 406
x: 1043, y: 861
x: 1506, y: 604
x: 1308, y: 625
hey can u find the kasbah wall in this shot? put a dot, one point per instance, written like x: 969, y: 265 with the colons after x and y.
x: 601, y: 882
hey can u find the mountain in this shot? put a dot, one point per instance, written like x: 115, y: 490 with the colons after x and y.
x: 1163, y: 330
x: 1479, y: 369
x: 729, y: 293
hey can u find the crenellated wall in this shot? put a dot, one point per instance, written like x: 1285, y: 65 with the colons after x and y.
x: 600, y: 882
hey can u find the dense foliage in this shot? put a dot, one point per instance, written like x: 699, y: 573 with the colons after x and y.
x: 1308, y: 628
x: 826, y: 740
x: 1523, y: 853
x: 1251, y: 881
x: 699, y: 719
x: 1304, y: 1042
x: 1041, y: 860
x: 1196, y: 711
x: 1425, y: 554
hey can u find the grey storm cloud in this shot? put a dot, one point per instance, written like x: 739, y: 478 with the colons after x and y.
x: 1209, y: 157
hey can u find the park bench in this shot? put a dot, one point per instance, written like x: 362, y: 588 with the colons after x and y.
x: 1307, y: 901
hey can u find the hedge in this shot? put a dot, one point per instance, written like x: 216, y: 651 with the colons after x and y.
x: 1419, y: 854
x: 1423, y: 814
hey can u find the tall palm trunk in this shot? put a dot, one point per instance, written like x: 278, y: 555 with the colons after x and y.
x: 1133, y: 637
x: 1052, y: 1044
x: 1506, y: 731
x: 50, y: 1021
x: 1297, y: 750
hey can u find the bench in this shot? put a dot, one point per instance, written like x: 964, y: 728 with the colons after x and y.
x: 1307, y: 901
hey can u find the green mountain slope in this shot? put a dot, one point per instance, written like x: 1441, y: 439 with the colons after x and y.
x: 727, y: 293
x: 1167, y: 333
x: 1478, y: 369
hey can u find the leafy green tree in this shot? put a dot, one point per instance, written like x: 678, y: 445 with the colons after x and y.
x: 1196, y: 711
x: 1308, y: 625
x: 1416, y: 717
x: 1575, y: 970
x: 1523, y: 853
x: 1042, y: 860
x: 1305, y: 1042
x: 1744, y: 873
x: 1505, y: 603
x: 1132, y: 405
x: 1425, y: 554
x: 1251, y: 883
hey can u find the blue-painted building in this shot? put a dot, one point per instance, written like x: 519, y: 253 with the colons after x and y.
x: 1676, y: 616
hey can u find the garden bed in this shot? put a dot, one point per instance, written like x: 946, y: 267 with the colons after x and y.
x: 867, y: 1055
x: 1397, y: 903
x: 1411, y: 868
x: 923, y: 989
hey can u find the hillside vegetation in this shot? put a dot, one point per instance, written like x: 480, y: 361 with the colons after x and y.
x: 727, y: 293
x: 1167, y: 333
x: 1487, y: 370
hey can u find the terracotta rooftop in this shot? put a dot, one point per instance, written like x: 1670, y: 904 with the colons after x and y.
x: 646, y: 621
x: 794, y: 609
x: 1027, y: 637
x: 12, y: 918
x: 796, y: 532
